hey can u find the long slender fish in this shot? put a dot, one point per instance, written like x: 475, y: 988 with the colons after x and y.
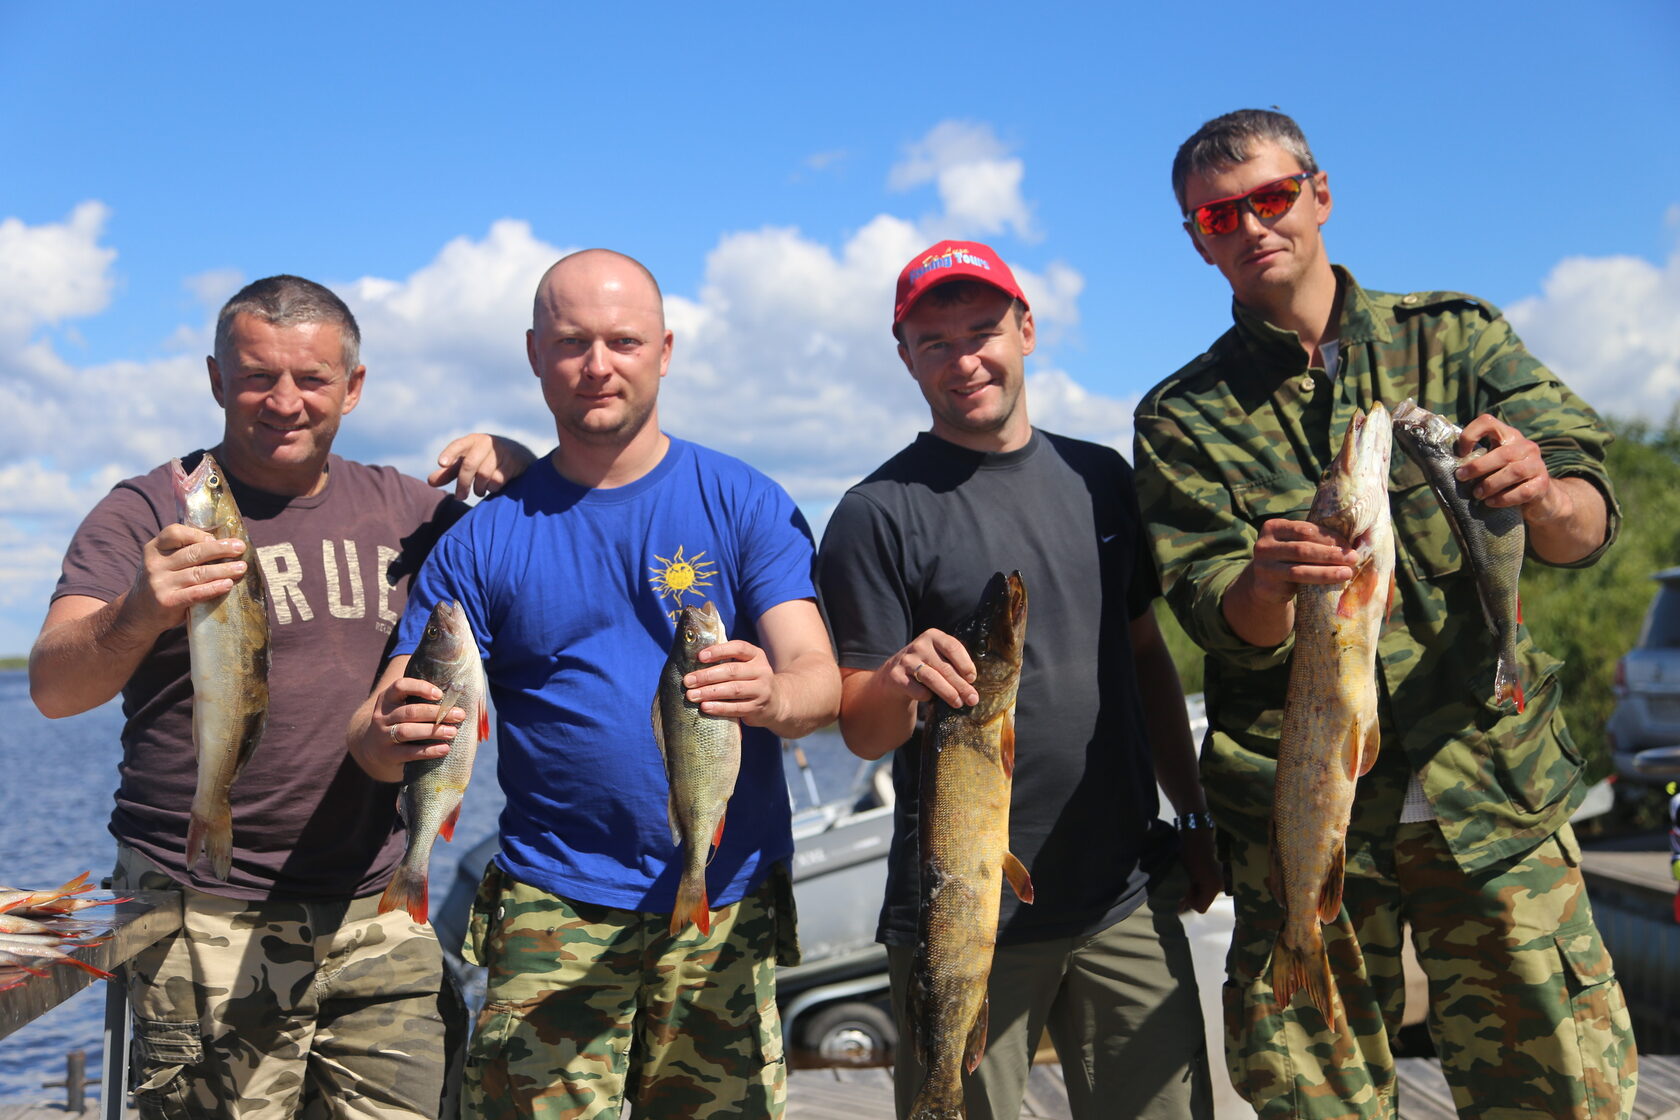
x: 1329, y: 735
x: 702, y: 757
x: 228, y: 643
x: 448, y: 657
x: 967, y: 770
x: 1492, y: 538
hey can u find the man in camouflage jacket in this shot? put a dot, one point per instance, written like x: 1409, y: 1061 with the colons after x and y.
x: 1461, y: 829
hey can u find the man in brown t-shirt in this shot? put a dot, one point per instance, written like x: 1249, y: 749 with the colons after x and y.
x: 285, y: 989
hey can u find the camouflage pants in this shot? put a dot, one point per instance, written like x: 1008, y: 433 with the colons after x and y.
x: 1524, y: 1007
x: 586, y: 1005
x: 285, y: 1008
x: 1120, y: 1005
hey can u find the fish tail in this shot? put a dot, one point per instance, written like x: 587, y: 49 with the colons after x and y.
x: 1507, y: 682
x: 941, y: 1100
x: 407, y: 891
x: 1305, y: 969
x: 691, y: 905
x: 212, y: 833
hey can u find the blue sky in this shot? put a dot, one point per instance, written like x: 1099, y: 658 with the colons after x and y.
x: 774, y: 166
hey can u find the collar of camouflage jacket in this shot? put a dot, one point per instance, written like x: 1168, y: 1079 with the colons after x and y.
x: 1274, y: 346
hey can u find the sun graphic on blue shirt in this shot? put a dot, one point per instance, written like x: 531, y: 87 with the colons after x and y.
x: 681, y: 574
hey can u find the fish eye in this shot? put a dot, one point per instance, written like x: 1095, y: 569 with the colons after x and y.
x: 212, y: 481
x: 431, y: 630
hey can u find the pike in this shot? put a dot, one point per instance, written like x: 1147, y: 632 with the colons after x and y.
x: 702, y: 756
x: 227, y: 639
x: 448, y: 657
x: 1491, y: 538
x: 1329, y: 733
x: 967, y: 769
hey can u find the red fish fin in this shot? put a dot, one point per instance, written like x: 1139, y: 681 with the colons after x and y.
x: 1306, y: 969
x: 976, y: 1048
x: 1518, y: 692
x: 1519, y: 610
x: 1367, y: 746
x: 78, y: 885
x: 483, y: 723
x: 407, y: 891
x: 1507, y: 684
x: 1006, y: 744
x: 717, y: 837
x: 1388, y: 611
x: 447, y: 828
x: 1330, y: 897
x: 1016, y: 872
x: 86, y: 967
x: 691, y: 906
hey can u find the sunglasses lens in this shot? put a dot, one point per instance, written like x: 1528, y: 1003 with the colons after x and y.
x: 1273, y: 200
x: 1216, y: 220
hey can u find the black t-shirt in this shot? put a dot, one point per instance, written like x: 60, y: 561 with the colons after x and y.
x: 912, y: 546
x: 307, y: 821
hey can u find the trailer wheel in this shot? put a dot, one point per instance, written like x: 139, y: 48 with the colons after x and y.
x: 850, y: 1034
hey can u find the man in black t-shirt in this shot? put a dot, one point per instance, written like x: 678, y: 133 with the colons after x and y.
x: 1100, y: 958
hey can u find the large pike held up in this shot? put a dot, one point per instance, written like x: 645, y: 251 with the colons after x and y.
x: 448, y: 657
x: 1329, y: 735
x: 227, y: 639
x: 702, y: 757
x: 1492, y: 538
x: 967, y: 770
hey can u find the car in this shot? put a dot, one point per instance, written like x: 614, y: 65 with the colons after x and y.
x: 1647, y: 685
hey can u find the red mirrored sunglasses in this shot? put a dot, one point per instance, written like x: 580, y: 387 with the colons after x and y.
x: 1268, y: 201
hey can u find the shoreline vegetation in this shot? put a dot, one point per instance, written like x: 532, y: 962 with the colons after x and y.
x: 19, y: 662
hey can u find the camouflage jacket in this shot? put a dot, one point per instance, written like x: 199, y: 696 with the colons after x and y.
x: 1242, y: 434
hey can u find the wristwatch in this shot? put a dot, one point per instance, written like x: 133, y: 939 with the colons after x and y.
x: 1192, y: 822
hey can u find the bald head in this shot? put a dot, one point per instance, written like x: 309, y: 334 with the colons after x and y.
x: 595, y: 275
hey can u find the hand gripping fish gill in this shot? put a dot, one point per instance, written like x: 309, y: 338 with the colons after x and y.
x: 1329, y: 733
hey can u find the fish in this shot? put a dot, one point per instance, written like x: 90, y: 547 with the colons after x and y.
x: 1329, y: 736
x: 967, y: 771
x: 702, y: 756
x: 1491, y: 538
x: 228, y: 643
x: 13, y: 898
x: 433, y: 788
x: 20, y: 950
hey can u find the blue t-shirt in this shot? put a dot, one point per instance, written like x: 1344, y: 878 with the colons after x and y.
x: 573, y: 594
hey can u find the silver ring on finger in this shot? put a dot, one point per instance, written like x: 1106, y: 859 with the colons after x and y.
x: 916, y: 673
x: 396, y: 736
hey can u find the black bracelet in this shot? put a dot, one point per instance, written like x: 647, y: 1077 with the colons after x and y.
x: 1193, y: 822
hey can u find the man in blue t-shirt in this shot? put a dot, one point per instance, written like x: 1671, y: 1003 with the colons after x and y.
x: 572, y: 580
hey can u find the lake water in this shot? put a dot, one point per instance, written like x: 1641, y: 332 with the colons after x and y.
x: 56, y: 782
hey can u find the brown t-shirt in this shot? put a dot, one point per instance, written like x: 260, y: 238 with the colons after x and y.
x: 307, y: 822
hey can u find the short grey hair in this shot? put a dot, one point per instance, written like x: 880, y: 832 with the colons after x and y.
x: 286, y: 301
x: 1229, y: 140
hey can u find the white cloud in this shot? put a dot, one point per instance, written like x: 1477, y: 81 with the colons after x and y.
x: 979, y: 182
x: 1610, y: 327
x: 53, y: 272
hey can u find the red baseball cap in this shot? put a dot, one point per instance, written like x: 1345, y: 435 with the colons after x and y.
x: 952, y: 260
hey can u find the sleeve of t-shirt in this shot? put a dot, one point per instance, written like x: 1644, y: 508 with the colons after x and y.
x: 776, y: 554
x: 443, y: 576
x: 860, y: 584
x: 106, y: 551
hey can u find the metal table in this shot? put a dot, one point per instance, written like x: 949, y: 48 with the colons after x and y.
x: 128, y: 928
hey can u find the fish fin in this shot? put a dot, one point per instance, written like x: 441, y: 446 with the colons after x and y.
x: 976, y: 1048
x: 691, y: 906
x: 1356, y: 593
x: 659, y: 730
x: 1388, y: 611
x: 1006, y: 743
x: 1016, y: 872
x: 1330, y: 895
x: 407, y: 890
x: 483, y: 722
x: 1518, y: 692
x: 447, y: 828
x: 1368, y: 745
x: 1507, y: 679
x: 1519, y: 610
x: 86, y: 967
x: 1307, y: 969
x: 717, y: 840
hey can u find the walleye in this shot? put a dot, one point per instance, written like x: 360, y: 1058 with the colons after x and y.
x: 1492, y: 539
x: 228, y: 643
x: 967, y: 766
x: 448, y: 657
x: 702, y: 756
x: 1329, y: 733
